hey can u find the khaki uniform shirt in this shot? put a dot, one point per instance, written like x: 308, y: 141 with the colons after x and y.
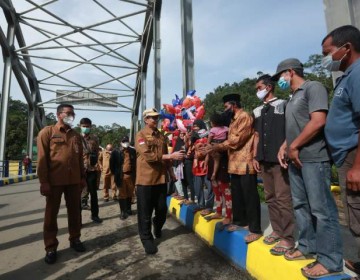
x: 60, y: 156
x: 127, y: 162
x: 150, y: 146
x: 240, y: 144
x: 104, y: 162
x: 86, y: 153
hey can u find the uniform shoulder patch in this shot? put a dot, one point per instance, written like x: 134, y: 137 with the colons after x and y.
x: 141, y: 141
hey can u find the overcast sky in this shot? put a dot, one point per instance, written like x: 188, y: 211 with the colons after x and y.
x: 233, y: 40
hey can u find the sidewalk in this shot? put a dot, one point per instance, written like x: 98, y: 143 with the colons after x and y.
x: 17, y: 179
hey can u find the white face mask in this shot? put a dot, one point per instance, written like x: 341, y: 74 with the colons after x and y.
x: 262, y: 93
x: 330, y: 64
x: 125, y: 145
x: 68, y: 120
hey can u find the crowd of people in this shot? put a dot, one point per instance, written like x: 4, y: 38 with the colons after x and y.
x: 290, y: 143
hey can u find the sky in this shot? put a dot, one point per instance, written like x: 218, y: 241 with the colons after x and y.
x: 233, y: 40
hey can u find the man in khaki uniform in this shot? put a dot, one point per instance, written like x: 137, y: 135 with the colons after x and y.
x: 108, y: 177
x: 152, y: 168
x: 61, y: 170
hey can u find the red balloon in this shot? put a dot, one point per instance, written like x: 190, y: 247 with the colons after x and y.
x: 200, y: 112
x: 196, y: 101
x: 169, y: 108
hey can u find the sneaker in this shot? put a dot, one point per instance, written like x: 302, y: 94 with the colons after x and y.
x: 150, y: 247
x: 50, y: 257
x: 77, y: 245
x: 96, y: 220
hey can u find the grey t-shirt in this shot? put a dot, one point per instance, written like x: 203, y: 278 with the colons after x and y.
x: 310, y: 97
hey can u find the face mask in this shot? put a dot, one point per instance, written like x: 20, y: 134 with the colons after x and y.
x: 227, y: 116
x: 125, y: 145
x: 68, y: 120
x: 85, y: 130
x: 331, y: 65
x: 262, y: 93
x: 283, y: 84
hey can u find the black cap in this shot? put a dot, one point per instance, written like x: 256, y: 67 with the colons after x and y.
x: 290, y: 63
x: 125, y: 139
x: 231, y: 97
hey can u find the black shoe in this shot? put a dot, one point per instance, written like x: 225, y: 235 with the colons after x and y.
x: 150, y: 247
x: 50, y: 257
x: 124, y: 216
x: 106, y: 199
x: 85, y: 207
x: 77, y: 245
x: 129, y: 212
x: 157, y: 233
x: 96, y: 220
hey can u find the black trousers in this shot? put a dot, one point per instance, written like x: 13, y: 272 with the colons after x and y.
x: 91, y: 181
x: 246, y: 202
x: 150, y: 198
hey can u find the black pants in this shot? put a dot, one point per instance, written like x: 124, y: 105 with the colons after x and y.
x: 91, y: 181
x: 246, y: 202
x: 189, y: 180
x: 150, y: 198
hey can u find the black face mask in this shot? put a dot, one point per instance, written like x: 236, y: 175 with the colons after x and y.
x: 227, y: 116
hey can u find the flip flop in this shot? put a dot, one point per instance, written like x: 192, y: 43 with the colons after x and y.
x: 257, y: 236
x: 353, y: 266
x: 301, y: 257
x: 206, y: 212
x: 275, y: 252
x: 220, y: 226
x: 311, y: 276
x: 197, y: 209
x: 271, y: 239
x: 232, y: 228
x: 211, y: 217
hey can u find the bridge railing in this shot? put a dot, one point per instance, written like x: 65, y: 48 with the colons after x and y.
x: 9, y: 168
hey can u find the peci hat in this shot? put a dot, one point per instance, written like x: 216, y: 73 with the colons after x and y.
x: 125, y: 139
x: 231, y: 97
x: 290, y: 63
x: 152, y: 112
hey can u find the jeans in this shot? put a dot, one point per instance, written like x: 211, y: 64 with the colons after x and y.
x: 205, y: 195
x: 316, y: 213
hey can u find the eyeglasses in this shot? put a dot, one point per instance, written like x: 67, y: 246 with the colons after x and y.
x: 71, y: 114
x: 155, y: 118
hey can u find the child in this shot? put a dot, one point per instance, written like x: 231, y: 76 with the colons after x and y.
x: 218, y: 134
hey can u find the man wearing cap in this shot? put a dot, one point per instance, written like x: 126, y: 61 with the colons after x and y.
x: 152, y: 168
x: 245, y: 197
x: 123, y: 166
x: 341, y: 49
x: 309, y: 171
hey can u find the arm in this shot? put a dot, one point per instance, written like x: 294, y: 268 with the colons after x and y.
x: 282, y: 155
x: 312, y: 128
x: 353, y: 175
x: 256, y: 143
x: 43, y: 145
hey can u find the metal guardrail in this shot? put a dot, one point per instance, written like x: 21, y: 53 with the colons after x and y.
x: 10, y: 168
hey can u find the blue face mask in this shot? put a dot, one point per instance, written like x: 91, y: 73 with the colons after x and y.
x: 283, y: 84
x: 85, y: 130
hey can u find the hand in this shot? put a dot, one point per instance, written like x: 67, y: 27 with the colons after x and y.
x: 256, y: 165
x: 294, y: 156
x: 179, y: 155
x: 282, y: 157
x: 353, y: 179
x: 45, y: 189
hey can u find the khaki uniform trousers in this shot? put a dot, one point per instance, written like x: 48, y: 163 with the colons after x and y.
x: 72, y: 195
x: 109, y: 183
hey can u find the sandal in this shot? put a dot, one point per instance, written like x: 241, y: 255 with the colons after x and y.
x: 213, y: 217
x: 353, y: 266
x: 288, y: 254
x: 251, y: 237
x: 271, y: 239
x: 206, y: 212
x: 232, y: 228
x: 221, y: 226
x: 280, y: 250
x: 324, y: 272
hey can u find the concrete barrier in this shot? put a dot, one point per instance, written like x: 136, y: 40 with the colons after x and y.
x: 254, y: 257
x: 16, y: 179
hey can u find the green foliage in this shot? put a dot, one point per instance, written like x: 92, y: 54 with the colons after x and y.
x: 16, y: 132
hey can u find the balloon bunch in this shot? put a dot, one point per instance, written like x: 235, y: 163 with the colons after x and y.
x: 182, y: 112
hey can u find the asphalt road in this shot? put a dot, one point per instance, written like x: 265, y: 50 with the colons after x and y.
x: 114, y: 250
